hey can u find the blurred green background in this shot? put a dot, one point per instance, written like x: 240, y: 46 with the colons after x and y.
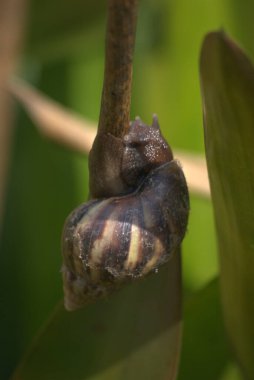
x: 64, y: 57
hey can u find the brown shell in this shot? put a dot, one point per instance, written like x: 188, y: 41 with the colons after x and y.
x: 110, y: 241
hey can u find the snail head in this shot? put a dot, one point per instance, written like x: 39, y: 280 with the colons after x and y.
x: 144, y: 150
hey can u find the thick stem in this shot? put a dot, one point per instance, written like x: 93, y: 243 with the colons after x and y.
x: 116, y: 94
x: 105, y: 158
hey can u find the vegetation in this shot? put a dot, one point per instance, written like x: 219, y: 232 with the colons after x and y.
x: 63, y: 56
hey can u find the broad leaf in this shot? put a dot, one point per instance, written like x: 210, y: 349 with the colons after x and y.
x: 135, y: 334
x: 227, y: 79
x: 57, y: 29
x: 205, y: 352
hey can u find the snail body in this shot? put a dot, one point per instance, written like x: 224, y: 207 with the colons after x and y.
x: 110, y: 241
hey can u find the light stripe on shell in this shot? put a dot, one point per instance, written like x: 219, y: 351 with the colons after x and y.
x: 110, y: 241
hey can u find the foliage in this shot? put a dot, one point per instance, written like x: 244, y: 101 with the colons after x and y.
x: 64, y: 58
x: 227, y: 78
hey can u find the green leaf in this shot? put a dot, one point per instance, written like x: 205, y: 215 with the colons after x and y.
x: 57, y: 29
x: 135, y: 334
x: 43, y: 188
x: 205, y: 351
x: 227, y: 80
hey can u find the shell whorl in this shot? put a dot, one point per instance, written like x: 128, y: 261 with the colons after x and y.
x: 109, y: 241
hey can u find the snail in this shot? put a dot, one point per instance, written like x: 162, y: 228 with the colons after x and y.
x: 116, y: 239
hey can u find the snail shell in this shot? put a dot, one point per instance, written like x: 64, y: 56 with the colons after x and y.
x: 109, y: 241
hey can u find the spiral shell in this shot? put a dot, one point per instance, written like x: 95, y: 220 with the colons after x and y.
x: 107, y: 242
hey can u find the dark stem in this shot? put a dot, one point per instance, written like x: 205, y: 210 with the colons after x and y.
x: 116, y: 94
x: 105, y: 158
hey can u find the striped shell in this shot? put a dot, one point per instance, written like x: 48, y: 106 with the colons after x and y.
x: 107, y: 242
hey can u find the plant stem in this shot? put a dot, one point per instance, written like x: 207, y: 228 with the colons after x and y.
x: 12, y: 22
x: 61, y: 125
x: 116, y: 94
